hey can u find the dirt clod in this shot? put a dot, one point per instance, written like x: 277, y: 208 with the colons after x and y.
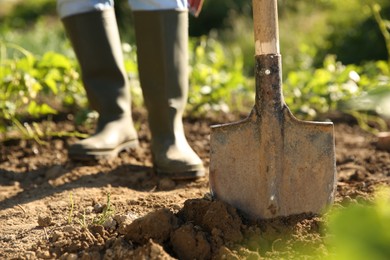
x: 151, y: 250
x: 216, y: 217
x: 119, y: 249
x: 157, y: 225
x: 44, y: 221
x: 190, y: 243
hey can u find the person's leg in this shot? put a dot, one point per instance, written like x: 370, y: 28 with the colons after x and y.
x: 92, y: 28
x: 162, y: 50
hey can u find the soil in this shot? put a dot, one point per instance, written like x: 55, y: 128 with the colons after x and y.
x: 51, y: 207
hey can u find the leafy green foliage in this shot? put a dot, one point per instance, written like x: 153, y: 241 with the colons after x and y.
x: 360, y: 90
x: 23, y: 13
x: 362, y: 230
x: 355, y: 38
x: 312, y: 93
x: 217, y: 81
x: 35, y: 86
x: 384, y: 26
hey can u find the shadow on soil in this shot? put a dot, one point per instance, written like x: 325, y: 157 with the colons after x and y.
x: 43, y: 182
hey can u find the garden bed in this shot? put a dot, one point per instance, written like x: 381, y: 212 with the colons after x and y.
x: 51, y: 207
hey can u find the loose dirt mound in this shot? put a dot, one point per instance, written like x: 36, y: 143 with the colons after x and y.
x: 53, y: 208
x: 202, y: 229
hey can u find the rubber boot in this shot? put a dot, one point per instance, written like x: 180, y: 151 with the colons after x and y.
x: 162, y: 51
x: 95, y: 39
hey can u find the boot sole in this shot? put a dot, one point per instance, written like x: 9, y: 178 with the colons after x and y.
x: 190, y: 174
x: 102, y: 154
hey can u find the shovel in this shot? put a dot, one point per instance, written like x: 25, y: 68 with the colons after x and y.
x: 271, y: 164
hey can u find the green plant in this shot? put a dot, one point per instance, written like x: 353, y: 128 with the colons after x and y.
x: 108, y: 211
x: 83, y: 220
x: 22, y: 13
x: 37, y: 86
x: 362, y: 91
x: 384, y: 26
x: 34, y: 87
x: 361, y: 230
x: 217, y: 82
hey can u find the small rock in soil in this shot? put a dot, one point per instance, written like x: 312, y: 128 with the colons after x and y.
x: 98, y: 208
x: 44, y: 221
x: 110, y: 224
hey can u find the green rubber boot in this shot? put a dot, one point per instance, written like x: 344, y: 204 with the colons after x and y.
x: 162, y: 50
x: 95, y: 39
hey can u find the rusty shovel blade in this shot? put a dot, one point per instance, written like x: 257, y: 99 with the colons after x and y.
x: 272, y: 164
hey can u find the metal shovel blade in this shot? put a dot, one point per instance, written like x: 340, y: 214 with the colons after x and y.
x: 272, y: 164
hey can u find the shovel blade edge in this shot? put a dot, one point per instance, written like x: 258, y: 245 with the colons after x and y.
x: 268, y: 173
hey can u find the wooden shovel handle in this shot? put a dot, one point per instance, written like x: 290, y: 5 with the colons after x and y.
x: 269, y: 98
x: 265, y: 23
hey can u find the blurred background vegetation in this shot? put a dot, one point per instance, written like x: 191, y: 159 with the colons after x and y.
x: 316, y: 28
x: 335, y: 59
